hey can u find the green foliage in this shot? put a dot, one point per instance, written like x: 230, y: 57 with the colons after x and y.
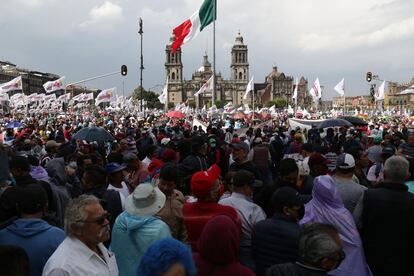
x: 191, y: 104
x: 218, y: 104
x: 171, y: 105
x: 149, y: 96
x: 278, y: 103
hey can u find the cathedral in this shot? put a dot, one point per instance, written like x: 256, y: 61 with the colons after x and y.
x: 232, y: 90
x: 277, y: 85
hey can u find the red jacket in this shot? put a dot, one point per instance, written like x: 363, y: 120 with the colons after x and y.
x: 197, y: 214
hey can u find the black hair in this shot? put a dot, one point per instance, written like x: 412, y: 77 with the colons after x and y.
x: 97, y: 173
x: 151, y: 150
x: 287, y: 166
x: 168, y: 172
x: 13, y: 261
x: 33, y: 160
x: 20, y: 162
x: 31, y: 199
x: 115, y: 157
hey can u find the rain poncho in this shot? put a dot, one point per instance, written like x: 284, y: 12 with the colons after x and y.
x: 326, y: 207
x: 132, y: 236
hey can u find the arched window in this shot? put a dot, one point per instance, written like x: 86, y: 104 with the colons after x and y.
x: 173, y: 75
x: 240, y: 75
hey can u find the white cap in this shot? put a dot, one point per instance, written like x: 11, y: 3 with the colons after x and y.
x: 345, y: 161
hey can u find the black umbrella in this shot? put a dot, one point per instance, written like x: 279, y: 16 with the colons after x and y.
x: 334, y: 123
x: 354, y: 120
x: 91, y: 134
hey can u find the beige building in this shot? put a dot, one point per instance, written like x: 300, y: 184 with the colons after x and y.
x: 361, y: 103
x: 231, y: 90
x: 394, y: 100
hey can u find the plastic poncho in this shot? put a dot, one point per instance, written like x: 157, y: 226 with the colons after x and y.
x: 132, y: 236
x: 326, y: 207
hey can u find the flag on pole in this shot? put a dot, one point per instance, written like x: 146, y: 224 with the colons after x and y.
x: 190, y: 28
x: 14, y: 84
x: 163, y: 97
x: 379, y: 95
x: 207, y: 86
x: 340, y: 87
x: 295, y: 91
x: 55, y: 85
x: 249, y: 87
x: 87, y: 97
x: 316, y: 89
x: 106, y: 96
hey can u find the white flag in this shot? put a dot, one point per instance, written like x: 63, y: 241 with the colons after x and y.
x: 87, y: 97
x: 295, y: 92
x: 4, y: 97
x: 316, y: 89
x: 106, y: 96
x: 14, y: 84
x: 50, y: 98
x: 163, y: 97
x: 249, y: 87
x: 340, y: 87
x: 78, y: 97
x: 207, y: 86
x: 55, y: 85
x: 379, y: 95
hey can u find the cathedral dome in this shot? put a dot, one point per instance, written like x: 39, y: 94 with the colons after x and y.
x: 239, y: 40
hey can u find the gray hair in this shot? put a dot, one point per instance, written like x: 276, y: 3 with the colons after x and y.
x: 317, y: 242
x: 75, y: 211
x: 396, y: 169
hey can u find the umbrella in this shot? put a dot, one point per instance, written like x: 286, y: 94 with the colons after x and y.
x: 91, y: 134
x: 14, y: 124
x: 356, y: 121
x: 175, y: 114
x: 334, y: 123
x: 239, y: 115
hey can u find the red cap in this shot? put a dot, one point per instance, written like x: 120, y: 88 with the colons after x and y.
x: 202, y: 181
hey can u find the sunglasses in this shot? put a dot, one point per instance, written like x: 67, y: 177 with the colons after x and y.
x: 99, y: 220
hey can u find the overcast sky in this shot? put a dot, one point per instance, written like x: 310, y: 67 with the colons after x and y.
x: 329, y: 39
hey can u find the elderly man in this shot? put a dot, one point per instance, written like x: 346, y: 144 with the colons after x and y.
x: 320, y: 251
x: 83, y: 252
x: 241, y: 160
x: 384, y: 216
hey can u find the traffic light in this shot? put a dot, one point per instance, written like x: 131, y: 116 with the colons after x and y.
x: 124, y: 70
x: 369, y: 77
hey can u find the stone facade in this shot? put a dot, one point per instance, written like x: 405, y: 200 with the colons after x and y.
x: 231, y: 90
x: 394, y: 100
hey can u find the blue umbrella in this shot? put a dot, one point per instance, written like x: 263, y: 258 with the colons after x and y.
x: 91, y: 134
x: 14, y: 124
x: 334, y: 123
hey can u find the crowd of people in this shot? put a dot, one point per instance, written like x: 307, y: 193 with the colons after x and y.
x: 163, y: 197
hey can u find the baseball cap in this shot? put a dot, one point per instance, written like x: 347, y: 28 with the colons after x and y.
x: 114, y: 167
x: 243, y: 135
x: 245, y: 177
x: 288, y: 196
x: 345, y: 161
x: 51, y: 144
x: 317, y: 158
x: 377, y: 139
x: 240, y: 145
x: 202, y: 181
x: 388, y: 150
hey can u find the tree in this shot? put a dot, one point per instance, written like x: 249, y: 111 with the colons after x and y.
x: 218, y: 104
x: 280, y: 103
x: 191, y: 104
x: 149, y: 96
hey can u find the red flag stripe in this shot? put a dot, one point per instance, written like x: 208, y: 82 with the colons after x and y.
x: 180, y: 32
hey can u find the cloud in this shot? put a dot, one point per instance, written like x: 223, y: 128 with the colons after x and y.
x: 391, y: 33
x: 103, y: 16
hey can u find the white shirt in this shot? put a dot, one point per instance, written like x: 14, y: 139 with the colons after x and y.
x: 74, y: 258
x: 249, y: 212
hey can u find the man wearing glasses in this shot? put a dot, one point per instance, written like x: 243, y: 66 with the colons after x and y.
x: 83, y: 252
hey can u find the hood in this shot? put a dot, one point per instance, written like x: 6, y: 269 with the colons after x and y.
x: 39, y: 173
x: 28, y: 227
x: 56, y: 170
x: 132, y: 223
x: 325, y: 192
x: 220, y: 241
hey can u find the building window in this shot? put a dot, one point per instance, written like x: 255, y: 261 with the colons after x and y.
x: 240, y: 75
x: 173, y: 75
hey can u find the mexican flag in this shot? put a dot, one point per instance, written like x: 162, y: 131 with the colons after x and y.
x: 195, y: 24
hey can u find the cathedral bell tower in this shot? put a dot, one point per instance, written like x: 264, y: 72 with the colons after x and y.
x: 239, y: 70
x: 174, y: 73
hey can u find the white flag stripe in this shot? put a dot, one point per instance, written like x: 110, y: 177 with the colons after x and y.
x: 340, y: 87
x: 249, y: 87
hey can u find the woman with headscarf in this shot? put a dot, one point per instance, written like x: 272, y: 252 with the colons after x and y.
x: 219, y: 249
x: 326, y: 206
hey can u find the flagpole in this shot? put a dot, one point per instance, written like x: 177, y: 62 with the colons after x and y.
x: 214, y: 54
x: 253, y: 103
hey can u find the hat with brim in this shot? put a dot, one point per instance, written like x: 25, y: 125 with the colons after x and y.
x: 114, y: 167
x: 145, y: 200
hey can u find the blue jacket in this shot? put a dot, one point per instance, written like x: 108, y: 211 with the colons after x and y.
x: 132, y: 236
x: 36, y: 237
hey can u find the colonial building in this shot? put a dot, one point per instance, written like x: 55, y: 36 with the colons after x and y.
x: 394, y: 100
x: 361, y: 103
x: 231, y: 90
x: 32, y: 80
